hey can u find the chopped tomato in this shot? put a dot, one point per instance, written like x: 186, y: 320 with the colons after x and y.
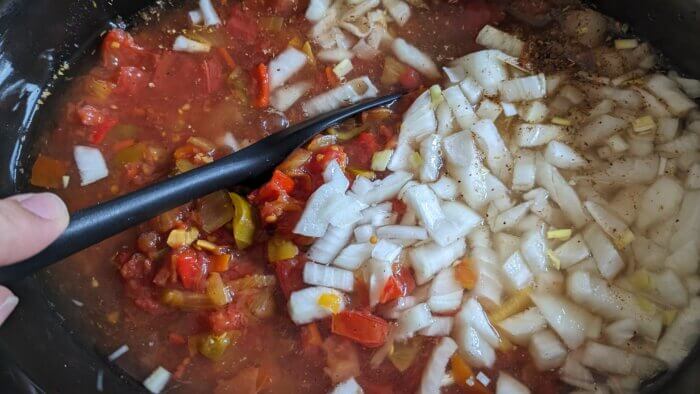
x: 331, y: 78
x: 400, y: 284
x: 290, y: 275
x: 119, y: 49
x: 362, y: 327
x: 192, y: 268
x: 410, y: 79
x: 213, y: 75
x: 280, y: 183
x: 324, y: 156
x: 242, y: 26
x: 227, y: 319
x: 89, y: 115
x: 99, y: 132
x: 130, y: 80
x: 360, y: 150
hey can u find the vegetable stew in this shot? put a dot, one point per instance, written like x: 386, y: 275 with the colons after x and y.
x: 524, y: 220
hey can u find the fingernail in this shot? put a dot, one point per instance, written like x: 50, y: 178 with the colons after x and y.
x: 45, y: 205
x: 8, y: 302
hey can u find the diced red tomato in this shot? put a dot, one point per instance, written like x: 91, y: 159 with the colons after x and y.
x: 100, y: 122
x: 99, y: 132
x: 410, y: 78
x: 290, y: 275
x: 360, y: 150
x: 262, y: 79
x: 192, y: 268
x: 119, y: 49
x: 213, y: 75
x: 362, y: 327
x: 242, y: 26
x: 400, y: 284
x: 320, y: 159
x: 130, y: 80
x: 280, y: 183
x: 89, y: 115
x: 227, y: 319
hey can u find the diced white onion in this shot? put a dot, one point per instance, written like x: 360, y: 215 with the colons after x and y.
x: 490, y: 37
x: 303, y: 304
x: 354, y: 255
x: 184, y: 44
x: 522, y: 326
x: 398, y: 10
x: 345, y: 94
x: 563, y: 156
x: 681, y: 336
x: 211, y: 18
x: 524, y: 89
x: 567, y: 319
x: 506, y: 384
x: 428, y: 259
x: 517, y: 272
x: 530, y: 135
x: 283, y: 66
x: 322, y: 275
x: 283, y: 98
x: 349, y: 386
x: 157, y: 380
x: 386, y: 251
x: 442, y: 326
x: 486, y: 68
x: 412, y: 320
x: 546, y: 350
x: 195, y: 17
x: 413, y: 56
x: 437, y: 363
x: 91, y: 164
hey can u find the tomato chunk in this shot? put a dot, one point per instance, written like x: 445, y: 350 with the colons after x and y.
x: 400, y: 284
x: 279, y: 184
x: 290, y: 275
x: 362, y: 327
x: 192, y: 268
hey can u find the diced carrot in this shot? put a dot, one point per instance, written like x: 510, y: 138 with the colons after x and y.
x: 466, y: 274
x: 220, y: 263
x: 48, y: 172
x: 331, y: 77
x: 362, y: 327
x: 227, y: 58
x: 462, y: 372
x: 261, y: 76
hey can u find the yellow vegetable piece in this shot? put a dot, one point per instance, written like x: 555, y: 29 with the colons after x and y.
x: 295, y: 42
x: 561, y: 121
x: 179, y: 237
x: 206, y: 245
x: 553, y: 260
x: 364, y: 173
x: 415, y: 159
x: 641, y: 280
x: 306, y: 48
x: 330, y: 302
x: 404, y: 353
x: 213, y: 346
x: 624, y: 239
x: 279, y: 249
x: 669, y: 316
x: 516, y: 303
x: 628, y: 43
x: 381, y: 159
x: 560, y: 234
x: 217, y: 290
x: 243, y: 222
x: 436, y: 96
x: 643, y: 124
x: 461, y: 371
x: 646, y: 305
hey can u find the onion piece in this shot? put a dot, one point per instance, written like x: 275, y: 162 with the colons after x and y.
x: 688, y: 223
x: 659, y: 202
x: 466, y: 167
x: 681, y: 335
x: 402, y: 232
x: 445, y: 188
x: 533, y: 247
x: 211, y: 18
x: 412, y: 320
x: 322, y: 275
x: 567, y: 319
x: 684, y: 260
x: 442, y: 326
x: 486, y: 68
x: 157, y: 380
x: 620, y: 332
x: 530, y: 135
x: 379, y: 273
x: 563, y: 156
x: 572, y: 252
x: 303, y: 304
x: 349, y: 386
x: 561, y: 192
x: 413, y: 56
x: 283, y: 98
x: 524, y: 89
x: 490, y: 37
x: 386, y: 251
x: 599, y: 129
x: 460, y: 106
x: 473, y: 347
x: 312, y: 222
x: 517, y: 272
x: 384, y: 189
x: 430, y: 149
x: 667, y: 90
x: 285, y: 65
x: 607, y: 259
x: 471, y: 89
x: 184, y: 44
x: 575, y: 374
x: 522, y: 326
x: 347, y: 93
x: 473, y: 315
x: 498, y: 157
x: 506, y: 384
x: 435, y: 369
x: 546, y: 350
x: 317, y: 10
x: 354, y: 255
x: 195, y: 17
x: 445, y: 292
x: 612, y: 224
x: 418, y: 120
x: 607, y: 359
x: 524, y: 170
x: 91, y: 164
x: 398, y: 10
x: 628, y: 171
x: 429, y: 259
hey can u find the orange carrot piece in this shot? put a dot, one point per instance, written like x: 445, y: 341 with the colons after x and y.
x: 227, y: 58
x: 261, y: 76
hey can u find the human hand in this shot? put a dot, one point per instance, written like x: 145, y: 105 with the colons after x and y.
x: 28, y: 224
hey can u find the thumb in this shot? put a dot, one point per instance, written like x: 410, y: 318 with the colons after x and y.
x: 29, y: 223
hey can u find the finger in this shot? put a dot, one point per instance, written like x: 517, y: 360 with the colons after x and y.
x: 8, y: 302
x: 29, y: 223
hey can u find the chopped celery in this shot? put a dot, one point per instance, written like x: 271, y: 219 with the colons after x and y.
x: 183, y: 165
x: 215, y: 210
x: 217, y: 291
x: 322, y: 141
x: 181, y: 237
x: 553, y: 260
x: 381, y: 159
x: 279, y: 249
x: 243, y: 221
x: 345, y: 135
x: 186, y: 300
x: 436, y: 95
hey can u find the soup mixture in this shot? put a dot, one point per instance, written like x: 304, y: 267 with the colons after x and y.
x: 524, y: 219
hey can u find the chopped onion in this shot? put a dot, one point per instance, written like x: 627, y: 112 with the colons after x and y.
x: 684, y: 260
x: 627, y: 171
x: 283, y: 98
x: 347, y: 93
x: 430, y: 149
x: 563, y: 156
x: 533, y: 247
x: 524, y: 89
x: 445, y: 188
x: 413, y: 56
x: 561, y: 192
x: 418, y: 121
x: 546, y: 350
x: 688, y: 223
x: 195, y: 17
x: 354, y: 255
x: 326, y: 248
x: 466, y: 168
x: 412, y: 320
x: 398, y: 10
x: 471, y: 89
x: 530, y: 135
x: 620, y: 332
x: 434, y: 371
x: 681, y: 336
x: 511, y: 217
x: 402, y: 232
x: 607, y: 359
x: 490, y: 37
x: 118, y: 353
x: 522, y: 326
x: 486, y: 68
x: 599, y: 129
x: 429, y: 259
x: 379, y: 273
x: 612, y: 224
x: 285, y: 65
x: 474, y: 347
x: 386, y: 251
x: 571, y: 252
x: 184, y: 44
x: 303, y: 304
x: 498, y: 157
x: 442, y: 326
x: 91, y: 164
x: 211, y: 18
x: 659, y: 202
x: 445, y: 292
x: 384, y: 189
x: 317, y: 9
x: 517, y: 272
x: 567, y: 319
x: 460, y: 106
x: 322, y: 275
x: 667, y: 90
x: 524, y: 170
x: 157, y: 380
x: 607, y: 258
x: 691, y: 87
x: 473, y: 315
x: 349, y: 386
x: 506, y: 384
